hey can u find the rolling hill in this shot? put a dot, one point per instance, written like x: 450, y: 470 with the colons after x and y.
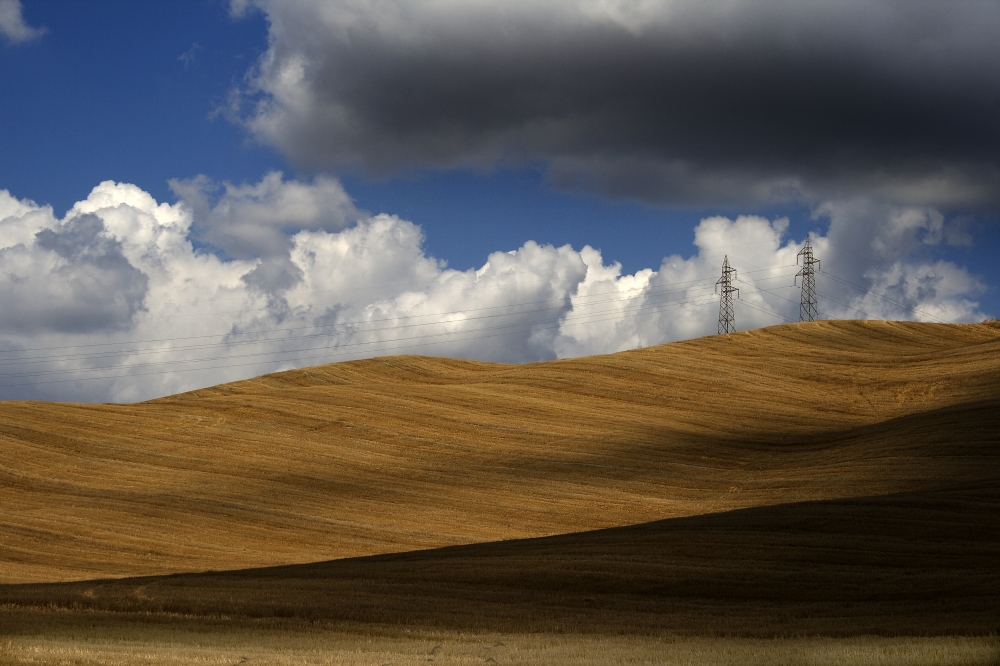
x: 407, y: 453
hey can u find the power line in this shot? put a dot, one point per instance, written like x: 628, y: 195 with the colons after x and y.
x: 571, y: 319
x: 275, y: 357
x: 911, y: 308
x: 579, y: 302
x: 560, y: 303
x: 757, y: 288
x: 850, y: 307
x: 767, y: 311
x: 670, y: 288
x: 281, y: 356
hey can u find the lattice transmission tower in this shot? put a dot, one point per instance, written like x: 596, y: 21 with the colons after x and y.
x: 808, y: 311
x: 727, y: 316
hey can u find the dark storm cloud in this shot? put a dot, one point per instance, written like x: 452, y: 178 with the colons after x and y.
x: 682, y: 102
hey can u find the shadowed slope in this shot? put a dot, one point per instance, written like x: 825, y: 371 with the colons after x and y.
x: 404, y: 453
x: 911, y: 563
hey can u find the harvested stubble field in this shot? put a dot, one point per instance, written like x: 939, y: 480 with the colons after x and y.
x: 832, y: 478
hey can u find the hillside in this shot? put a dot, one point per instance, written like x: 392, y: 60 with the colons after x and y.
x: 406, y: 453
x: 921, y: 563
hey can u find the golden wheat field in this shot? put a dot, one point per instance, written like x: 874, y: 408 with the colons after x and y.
x: 826, y: 491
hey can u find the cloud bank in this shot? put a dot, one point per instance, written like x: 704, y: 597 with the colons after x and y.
x: 121, y: 299
x: 670, y: 101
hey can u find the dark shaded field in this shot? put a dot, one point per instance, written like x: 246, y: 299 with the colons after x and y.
x: 923, y: 563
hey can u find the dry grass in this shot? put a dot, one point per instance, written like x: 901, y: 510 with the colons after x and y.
x: 82, y: 639
x: 406, y: 453
x: 833, y: 479
x: 922, y: 563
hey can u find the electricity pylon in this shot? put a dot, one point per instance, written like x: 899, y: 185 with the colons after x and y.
x: 727, y: 317
x: 807, y: 305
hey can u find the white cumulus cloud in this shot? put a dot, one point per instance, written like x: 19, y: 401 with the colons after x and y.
x: 116, y: 301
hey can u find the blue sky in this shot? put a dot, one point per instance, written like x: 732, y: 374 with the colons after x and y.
x: 427, y: 137
x: 130, y: 93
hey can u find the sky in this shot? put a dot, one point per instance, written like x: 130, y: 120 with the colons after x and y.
x: 201, y: 191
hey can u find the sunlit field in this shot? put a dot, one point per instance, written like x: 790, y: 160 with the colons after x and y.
x: 823, y: 493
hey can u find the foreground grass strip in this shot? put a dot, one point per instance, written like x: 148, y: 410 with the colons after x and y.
x: 85, y: 639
